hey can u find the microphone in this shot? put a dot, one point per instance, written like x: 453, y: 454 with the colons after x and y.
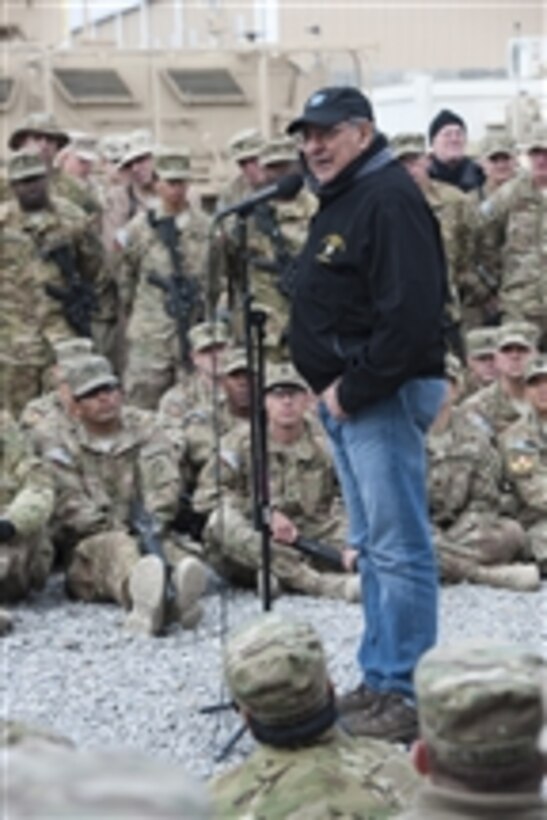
x: 285, y: 188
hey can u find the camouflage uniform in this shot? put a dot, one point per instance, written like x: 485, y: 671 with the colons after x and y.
x: 245, y: 145
x: 302, y: 486
x: 480, y: 708
x: 26, y: 500
x: 464, y: 479
x: 480, y: 341
x: 277, y: 674
x: 153, y: 345
x: 512, y: 246
x: 48, y: 780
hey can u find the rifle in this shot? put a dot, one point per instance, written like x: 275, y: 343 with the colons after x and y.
x: 315, y: 549
x: 145, y: 527
x: 78, y: 298
x: 284, y: 265
x: 188, y: 520
x: 182, y: 293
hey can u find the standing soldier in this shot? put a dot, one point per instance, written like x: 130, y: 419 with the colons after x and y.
x: 512, y: 238
x: 499, y: 162
x: 26, y: 503
x: 454, y: 213
x: 165, y: 280
x: 243, y: 149
x: 117, y: 483
x: 56, y: 260
x: 480, y: 347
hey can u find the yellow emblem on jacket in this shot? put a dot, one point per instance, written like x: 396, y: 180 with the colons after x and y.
x: 330, y: 245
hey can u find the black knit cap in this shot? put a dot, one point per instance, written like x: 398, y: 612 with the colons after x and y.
x: 444, y: 117
x: 332, y: 105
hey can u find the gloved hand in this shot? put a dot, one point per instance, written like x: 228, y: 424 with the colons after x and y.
x: 7, y: 530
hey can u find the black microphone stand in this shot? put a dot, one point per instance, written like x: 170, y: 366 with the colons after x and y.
x: 254, y: 328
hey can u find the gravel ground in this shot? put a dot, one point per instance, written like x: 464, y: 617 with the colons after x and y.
x: 70, y: 666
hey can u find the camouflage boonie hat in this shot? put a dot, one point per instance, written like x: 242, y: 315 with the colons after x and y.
x: 537, y: 367
x: 480, y: 705
x: 494, y: 144
x: 234, y: 359
x: 25, y: 164
x: 245, y: 144
x: 113, y: 147
x: 173, y: 163
x: 88, y: 374
x: 481, y: 341
x: 276, y: 670
x: 38, y: 123
x: 280, y: 149
x: 139, y: 144
x: 407, y: 144
x: 283, y: 375
x: 207, y: 334
x: 517, y: 333
x: 84, y: 146
x: 538, y: 137
x: 67, y: 349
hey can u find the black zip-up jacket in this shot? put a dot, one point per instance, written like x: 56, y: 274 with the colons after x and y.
x: 467, y: 175
x: 371, y: 285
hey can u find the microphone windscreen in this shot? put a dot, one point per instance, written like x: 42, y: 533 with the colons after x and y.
x: 289, y: 186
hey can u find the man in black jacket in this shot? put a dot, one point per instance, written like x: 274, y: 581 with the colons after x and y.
x: 366, y: 333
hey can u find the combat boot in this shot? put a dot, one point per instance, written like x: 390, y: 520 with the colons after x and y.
x: 519, y: 577
x: 189, y: 580
x: 147, y: 596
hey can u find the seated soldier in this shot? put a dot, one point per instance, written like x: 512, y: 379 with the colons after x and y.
x: 525, y: 462
x: 474, y: 541
x: 116, y: 477
x: 302, y: 493
x: 49, y: 778
x: 54, y: 408
x: 480, y: 712
x: 480, y: 344
x: 193, y: 415
x: 305, y: 766
x: 26, y: 503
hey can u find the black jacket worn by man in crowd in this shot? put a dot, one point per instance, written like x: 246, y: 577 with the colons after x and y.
x: 371, y: 284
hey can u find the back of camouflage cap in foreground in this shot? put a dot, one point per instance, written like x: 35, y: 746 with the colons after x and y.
x: 480, y: 705
x: 276, y: 670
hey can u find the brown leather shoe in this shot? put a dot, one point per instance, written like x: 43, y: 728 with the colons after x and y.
x: 360, y: 699
x: 392, y: 719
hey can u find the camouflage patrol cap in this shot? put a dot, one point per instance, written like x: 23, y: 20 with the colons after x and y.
x: 497, y: 144
x: 536, y: 367
x: 407, y: 144
x: 207, y: 334
x: 88, y: 373
x: 25, y: 164
x: 481, y: 341
x: 278, y: 150
x: 245, y: 144
x: 276, y: 670
x: 283, y: 374
x: 172, y: 163
x: 67, y: 349
x: 234, y: 359
x: 538, y: 137
x: 38, y: 123
x: 517, y: 333
x: 480, y: 705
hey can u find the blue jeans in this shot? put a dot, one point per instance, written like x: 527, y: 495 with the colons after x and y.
x: 380, y: 459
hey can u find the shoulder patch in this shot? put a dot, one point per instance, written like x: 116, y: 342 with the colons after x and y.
x: 522, y: 458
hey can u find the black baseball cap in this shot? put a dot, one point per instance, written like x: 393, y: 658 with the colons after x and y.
x: 332, y: 105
